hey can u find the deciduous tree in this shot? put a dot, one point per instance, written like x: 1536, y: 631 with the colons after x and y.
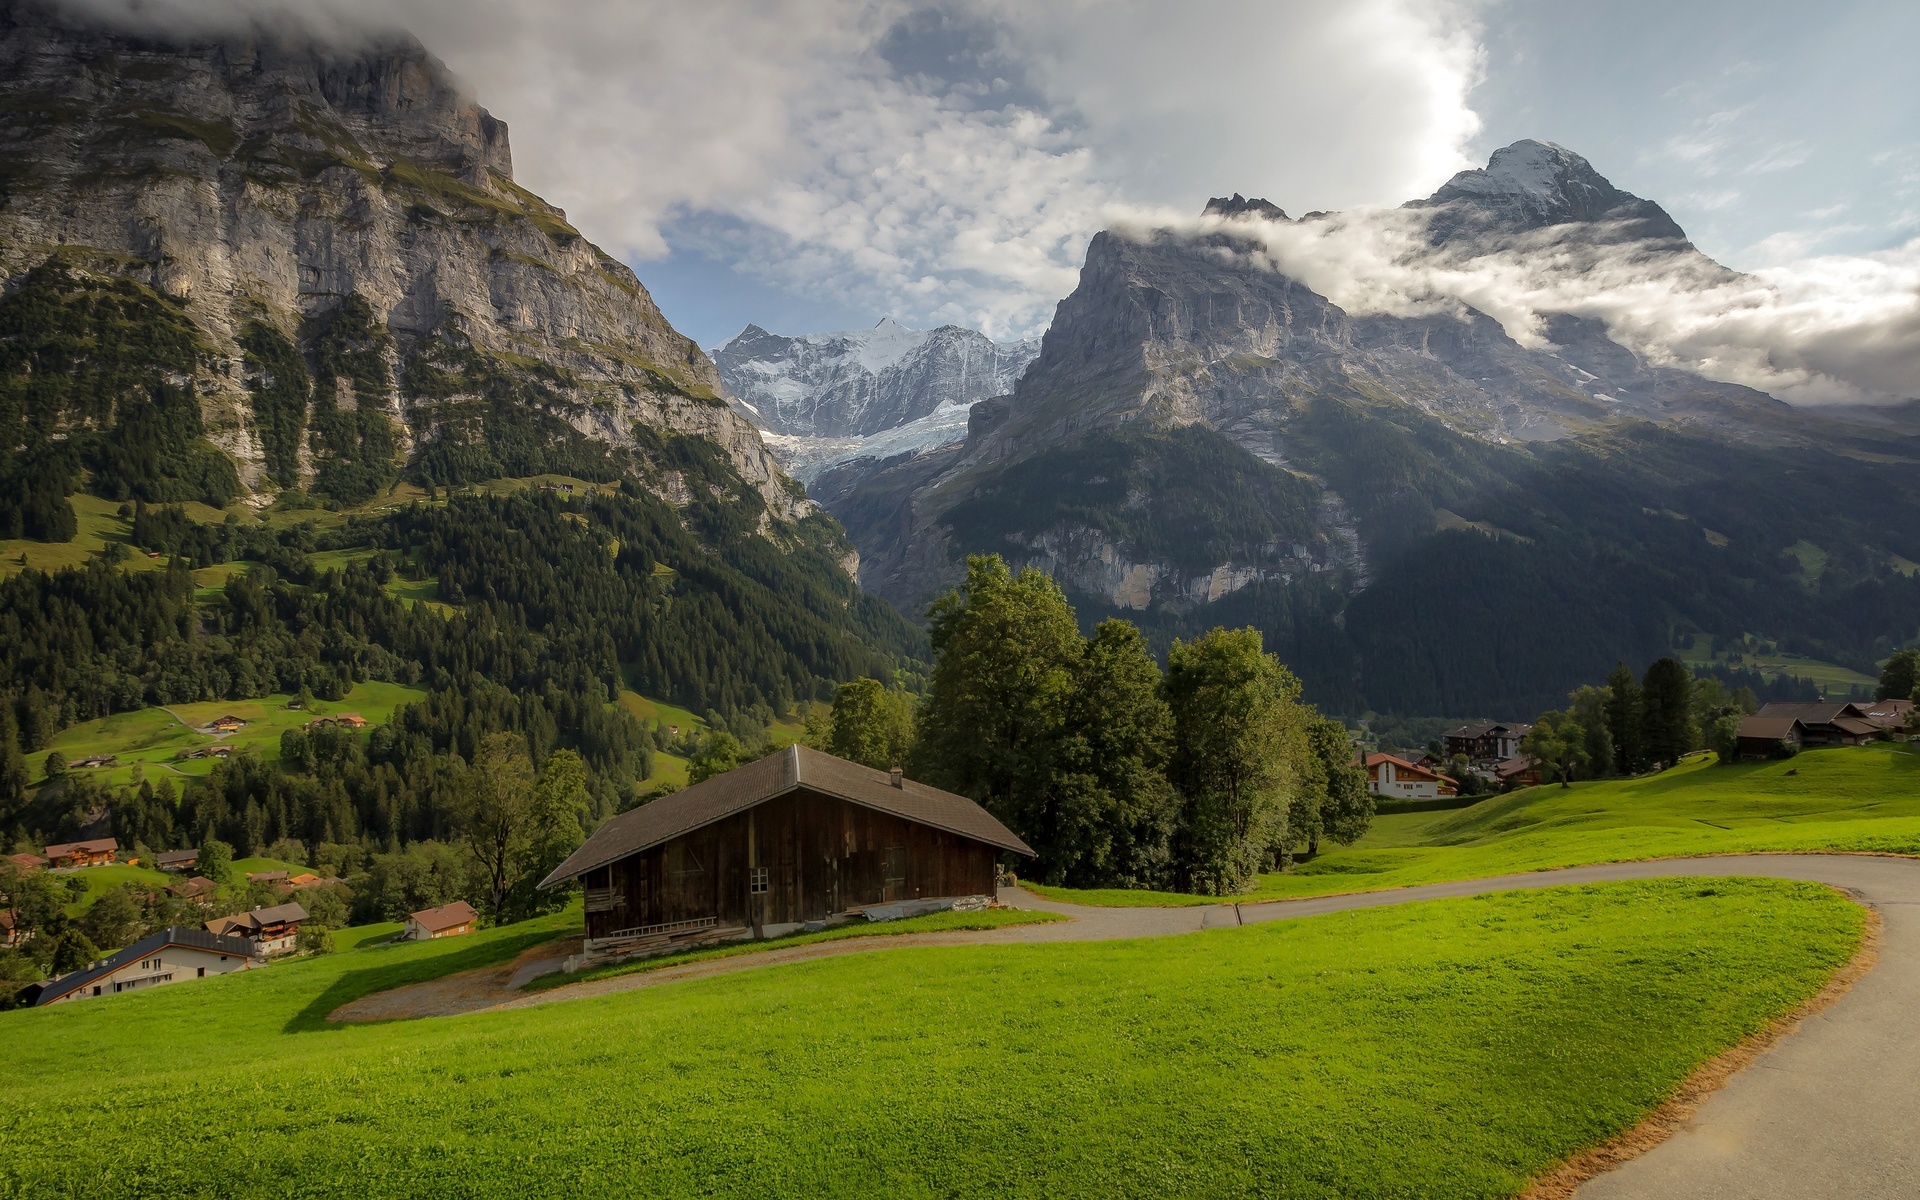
x: 1005, y: 652
x: 871, y: 724
x: 495, y: 815
x: 1558, y: 743
x: 1238, y: 741
x: 1900, y: 677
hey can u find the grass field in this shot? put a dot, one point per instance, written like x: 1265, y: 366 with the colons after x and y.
x: 1832, y: 679
x: 941, y: 922
x: 1446, y: 1049
x: 1858, y: 798
x: 100, y: 880
x: 150, y: 739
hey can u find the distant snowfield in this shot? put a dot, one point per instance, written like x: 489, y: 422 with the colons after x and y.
x: 808, y: 458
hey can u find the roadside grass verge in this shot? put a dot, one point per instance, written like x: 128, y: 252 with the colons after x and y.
x: 941, y: 922
x: 1863, y: 798
x: 1443, y: 1049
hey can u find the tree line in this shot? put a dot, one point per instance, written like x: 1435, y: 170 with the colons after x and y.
x: 1118, y: 773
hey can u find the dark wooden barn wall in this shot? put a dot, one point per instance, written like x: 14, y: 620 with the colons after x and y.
x: 822, y: 854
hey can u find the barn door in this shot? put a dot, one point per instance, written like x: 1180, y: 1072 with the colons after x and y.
x: 894, y: 872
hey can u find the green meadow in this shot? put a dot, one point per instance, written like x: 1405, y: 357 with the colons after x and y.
x: 151, y: 740
x: 1443, y: 1049
x: 1853, y: 798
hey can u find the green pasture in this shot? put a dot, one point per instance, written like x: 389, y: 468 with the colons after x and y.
x: 150, y: 740
x: 940, y: 922
x: 1854, y: 798
x: 1831, y: 678
x: 101, y: 880
x: 1445, y: 1049
x: 355, y: 936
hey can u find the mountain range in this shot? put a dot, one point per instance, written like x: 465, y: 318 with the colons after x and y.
x: 824, y: 398
x: 1424, y: 514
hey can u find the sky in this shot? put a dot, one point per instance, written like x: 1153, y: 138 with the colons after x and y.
x: 809, y: 165
x: 821, y: 164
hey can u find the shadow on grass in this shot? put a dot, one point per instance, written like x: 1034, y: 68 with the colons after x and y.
x: 353, y: 985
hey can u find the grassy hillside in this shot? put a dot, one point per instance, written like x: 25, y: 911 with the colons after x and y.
x: 151, y: 739
x: 1444, y: 1049
x: 1860, y: 798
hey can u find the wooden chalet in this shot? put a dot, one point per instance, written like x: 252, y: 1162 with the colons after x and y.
x: 269, y: 931
x: 794, y: 838
x: 96, y: 852
x: 1769, y: 737
x: 449, y: 920
x: 176, y: 860
x: 10, y: 932
x: 1827, y: 723
x: 27, y: 861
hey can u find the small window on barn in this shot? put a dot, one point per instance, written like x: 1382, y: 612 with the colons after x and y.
x: 757, y: 880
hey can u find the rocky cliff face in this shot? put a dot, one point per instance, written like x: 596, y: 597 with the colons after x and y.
x: 1203, y: 434
x: 352, y: 209
x: 866, y: 381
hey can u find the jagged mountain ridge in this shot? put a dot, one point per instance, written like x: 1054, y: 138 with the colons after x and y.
x: 264, y: 183
x: 1355, y: 444
x: 865, y: 381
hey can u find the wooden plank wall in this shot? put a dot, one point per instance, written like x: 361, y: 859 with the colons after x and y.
x: 822, y: 854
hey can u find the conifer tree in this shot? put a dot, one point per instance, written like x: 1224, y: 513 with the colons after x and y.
x: 1623, y: 720
x: 1666, y: 714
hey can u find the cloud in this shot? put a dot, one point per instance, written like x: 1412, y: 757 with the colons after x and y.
x: 936, y: 159
x: 1824, y: 330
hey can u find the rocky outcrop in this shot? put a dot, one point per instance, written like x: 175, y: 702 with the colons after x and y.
x: 265, y: 180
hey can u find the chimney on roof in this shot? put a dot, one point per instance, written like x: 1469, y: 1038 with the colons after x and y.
x: 898, y: 776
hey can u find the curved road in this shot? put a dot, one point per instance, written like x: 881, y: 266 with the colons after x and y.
x: 1831, y: 1111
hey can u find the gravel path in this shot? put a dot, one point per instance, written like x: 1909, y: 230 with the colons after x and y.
x: 1832, y: 1111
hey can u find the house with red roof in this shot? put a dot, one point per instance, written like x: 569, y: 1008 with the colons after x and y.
x: 1394, y: 778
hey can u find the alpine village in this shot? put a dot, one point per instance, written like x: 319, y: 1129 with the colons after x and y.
x: 1224, y: 740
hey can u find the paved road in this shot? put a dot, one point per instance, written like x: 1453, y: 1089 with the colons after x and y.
x: 1831, y: 1111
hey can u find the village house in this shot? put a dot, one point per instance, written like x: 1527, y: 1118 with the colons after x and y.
x: 226, y: 724
x: 277, y: 878
x: 97, y: 852
x: 193, y: 889
x: 352, y: 720
x: 1894, y: 716
x: 1827, y: 722
x: 794, y: 838
x: 27, y: 861
x: 1392, y: 777
x: 169, y: 956
x: 10, y: 932
x: 176, y: 860
x: 1518, y: 770
x: 1485, y: 741
x: 449, y: 920
x: 1769, y: 737
x: 96, y: 760
x: 303, y: 879
x: 269, y: 931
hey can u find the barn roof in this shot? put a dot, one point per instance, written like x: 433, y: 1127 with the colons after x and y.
x: 765, y: 779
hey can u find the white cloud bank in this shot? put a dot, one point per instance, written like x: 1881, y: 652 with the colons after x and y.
x: 947, y: 160
x: 1833, y: 330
